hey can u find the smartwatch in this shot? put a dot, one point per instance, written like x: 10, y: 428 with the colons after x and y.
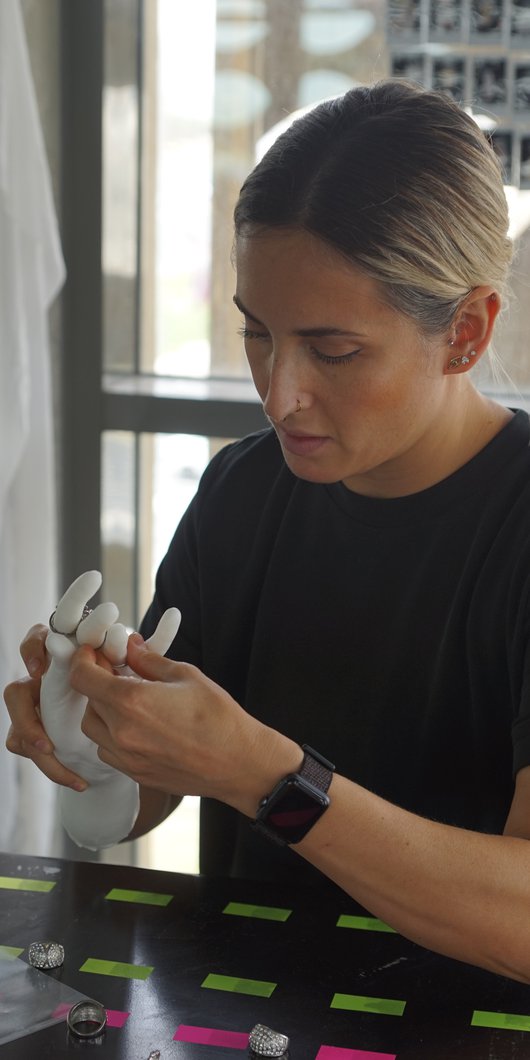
x: 297, y: 802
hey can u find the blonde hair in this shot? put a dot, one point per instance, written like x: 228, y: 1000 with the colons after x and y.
x: 403, y: 183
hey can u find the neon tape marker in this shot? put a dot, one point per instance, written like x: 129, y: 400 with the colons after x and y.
x: 123, y: 971
x: 257, y: 987
x: 505, y: 1021
x: 363, y: 923
x: 13, y: 883
x: 210, y: 1036
x: 357, y: 1003
x: 61, y: 1011
x: 261, y: 912
x: 115, y: 1018
x: 330, y: 1052
x: 143, y: 897
x: 8, y: 952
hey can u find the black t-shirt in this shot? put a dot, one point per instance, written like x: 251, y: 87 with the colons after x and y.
x: 390, y: 634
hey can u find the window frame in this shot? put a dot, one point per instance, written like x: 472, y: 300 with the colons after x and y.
x: 93, y: 401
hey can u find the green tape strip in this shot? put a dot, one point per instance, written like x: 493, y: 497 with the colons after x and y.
x: 257, y: 987
x: 123, y: 971
x: 143, y: 897
x: 356, y: 1003
x: 363, y: 923
x: 261, y: 912
x: 8, y: 952
x: 504, y: 1020
x: 13, y: 883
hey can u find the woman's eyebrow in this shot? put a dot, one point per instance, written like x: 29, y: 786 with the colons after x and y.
x: 316, y: 332
x: 246, y: 313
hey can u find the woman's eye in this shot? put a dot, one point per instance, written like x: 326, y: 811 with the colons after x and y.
x: 247, y: 333
x: 343, y: 358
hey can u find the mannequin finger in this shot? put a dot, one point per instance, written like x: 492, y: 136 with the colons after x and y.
x: 60, y: 648
x: 69, y: 610
x: 165, y: 632
x: 115, y: 647
x: 93, y: 629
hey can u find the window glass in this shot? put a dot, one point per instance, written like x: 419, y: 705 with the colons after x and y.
x: 121, y: 116
x: 217, y: 80
x: 148, y: 481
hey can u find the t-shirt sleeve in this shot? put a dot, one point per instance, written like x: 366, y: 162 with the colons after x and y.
x: 178, y: 580
x: 177, y: 586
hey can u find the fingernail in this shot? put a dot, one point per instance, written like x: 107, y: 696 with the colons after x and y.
x: 43, y: 745
x: 79, y: 786
x: 34, y: 667
x: 138, y: 640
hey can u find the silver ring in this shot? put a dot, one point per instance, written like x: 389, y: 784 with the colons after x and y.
x: 87, y: 1019
x: 86, y: 612
x: 265, y: 1042
x: 46, y: 954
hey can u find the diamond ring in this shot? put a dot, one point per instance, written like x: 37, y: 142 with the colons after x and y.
x: 265, y: 1042
x: 46, y: 954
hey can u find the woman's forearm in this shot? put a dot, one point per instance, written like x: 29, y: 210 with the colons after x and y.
x: 461, y: 893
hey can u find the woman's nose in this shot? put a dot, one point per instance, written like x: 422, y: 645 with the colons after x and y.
x: 285, y: 388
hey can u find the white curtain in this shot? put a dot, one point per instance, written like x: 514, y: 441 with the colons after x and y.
x: 31, y: 274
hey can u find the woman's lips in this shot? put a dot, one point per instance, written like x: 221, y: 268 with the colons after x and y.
x: 301, y: 444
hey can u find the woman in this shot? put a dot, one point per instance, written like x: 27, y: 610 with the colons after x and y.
x: 355, y: 578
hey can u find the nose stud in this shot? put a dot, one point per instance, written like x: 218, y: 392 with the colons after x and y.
x: 297, y: 409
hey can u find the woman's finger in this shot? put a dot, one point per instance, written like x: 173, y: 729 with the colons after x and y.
x: 27, y: 737
x: 33, y: 650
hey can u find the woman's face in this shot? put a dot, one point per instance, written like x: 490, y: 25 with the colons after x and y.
x: 375, y: 402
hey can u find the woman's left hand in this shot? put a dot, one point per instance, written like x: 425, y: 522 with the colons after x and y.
x: 173, y: 729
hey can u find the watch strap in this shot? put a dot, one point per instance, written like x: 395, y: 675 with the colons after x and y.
x: 316, y: 769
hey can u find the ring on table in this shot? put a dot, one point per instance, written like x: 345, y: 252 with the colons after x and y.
x: 46, y: 954
x: 265, y: 1042
x: 86, y: 612
x: 87, y: 1019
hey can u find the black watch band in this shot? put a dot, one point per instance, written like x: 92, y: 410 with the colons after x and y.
x: 298, y: 801
x: 316, y: 769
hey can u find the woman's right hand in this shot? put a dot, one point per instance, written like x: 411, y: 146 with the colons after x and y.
x: 26, y: 735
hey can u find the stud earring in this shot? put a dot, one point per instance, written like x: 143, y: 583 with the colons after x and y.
x: 472, y: 353
x: 457, y: 362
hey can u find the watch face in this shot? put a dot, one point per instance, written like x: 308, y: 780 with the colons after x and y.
x: 291, y: 811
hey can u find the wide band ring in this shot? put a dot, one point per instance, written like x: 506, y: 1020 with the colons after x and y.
x: 265, y: 1042
x: 87, y: 1019
x: 86, y: 612
x: 46, y: 954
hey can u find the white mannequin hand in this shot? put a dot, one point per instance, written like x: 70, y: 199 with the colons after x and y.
x: 105, y: 813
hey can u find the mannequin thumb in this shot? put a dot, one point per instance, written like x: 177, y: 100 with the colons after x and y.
x: 148, y: 664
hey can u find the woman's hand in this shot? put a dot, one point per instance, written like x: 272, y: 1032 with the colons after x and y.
x: 26, y: 735
x: 174, y: 729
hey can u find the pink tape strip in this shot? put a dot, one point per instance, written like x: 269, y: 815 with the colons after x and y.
x: 330, y: 1052
x: 210, y: 1036
x: 61, y: 1011
x: 115, y: 1018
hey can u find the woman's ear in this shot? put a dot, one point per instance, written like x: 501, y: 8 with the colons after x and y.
x: 472, y: 329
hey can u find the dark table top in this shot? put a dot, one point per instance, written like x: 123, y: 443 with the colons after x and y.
x: 188, y: 965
